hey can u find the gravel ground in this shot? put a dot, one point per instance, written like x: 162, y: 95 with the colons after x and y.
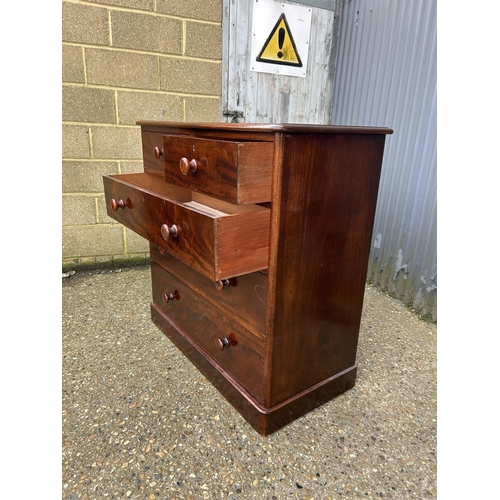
x: 140, y: 422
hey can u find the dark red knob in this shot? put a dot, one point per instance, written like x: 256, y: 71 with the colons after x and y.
x: 221, y: 284
x: 157, y: 152
x: 223, y: 343
x: 115, y: 205
x: 168, y: 297
x: 187, y: 166
x: 169, y: 232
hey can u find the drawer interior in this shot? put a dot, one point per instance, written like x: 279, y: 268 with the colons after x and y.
x: 198, y: 202
x: 214, y: 237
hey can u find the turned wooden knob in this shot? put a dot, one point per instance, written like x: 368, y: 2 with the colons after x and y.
x: 157, y: 152
x: 168, y: 297
x: 221, y: 284
x: 115, y: 205
x: 187, y: 166
x: 223, y: 343
x: 169, y: 232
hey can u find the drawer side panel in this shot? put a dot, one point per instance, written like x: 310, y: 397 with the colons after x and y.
x: 235, y: 259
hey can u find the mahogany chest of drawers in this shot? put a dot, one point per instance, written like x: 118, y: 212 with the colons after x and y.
x: 259, y: 238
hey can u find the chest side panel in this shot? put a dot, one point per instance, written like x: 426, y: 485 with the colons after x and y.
x: 329, y: 191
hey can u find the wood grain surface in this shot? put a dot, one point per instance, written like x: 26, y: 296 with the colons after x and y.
x: 234, y: 171
x: 205, y: 324
x: 219, y: 247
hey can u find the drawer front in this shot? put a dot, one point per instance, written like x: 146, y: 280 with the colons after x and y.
x: 218, y: 239
x: 151, y: 152
x: 233, y: 171
x: 231, y: 346
x: 244, y: 296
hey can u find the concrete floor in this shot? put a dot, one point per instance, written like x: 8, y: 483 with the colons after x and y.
x: 140, y: 422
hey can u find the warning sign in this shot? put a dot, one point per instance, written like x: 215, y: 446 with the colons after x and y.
x: 280, y: 47
x: 280, y: 38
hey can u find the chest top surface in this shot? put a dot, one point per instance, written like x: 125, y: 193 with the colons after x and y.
x: 267, y: 127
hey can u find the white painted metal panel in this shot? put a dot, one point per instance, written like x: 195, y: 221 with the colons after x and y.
x: 386, y: 76
x: 259, y: 97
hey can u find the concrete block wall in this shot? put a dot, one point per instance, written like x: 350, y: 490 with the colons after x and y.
x: 124, y: 61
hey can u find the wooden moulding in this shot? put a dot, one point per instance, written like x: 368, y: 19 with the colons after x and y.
x: 254, y: 130
x: 264, y: 420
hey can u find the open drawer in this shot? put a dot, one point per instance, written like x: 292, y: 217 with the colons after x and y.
x: 218, y: 239
x: 234, y: 171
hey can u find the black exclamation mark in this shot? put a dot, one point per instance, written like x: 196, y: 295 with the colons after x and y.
x: 281, y: 41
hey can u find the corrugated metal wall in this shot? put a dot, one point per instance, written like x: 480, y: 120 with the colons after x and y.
x: 386, y: 76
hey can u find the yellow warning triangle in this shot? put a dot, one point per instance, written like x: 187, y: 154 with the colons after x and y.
x: 280, y: 47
